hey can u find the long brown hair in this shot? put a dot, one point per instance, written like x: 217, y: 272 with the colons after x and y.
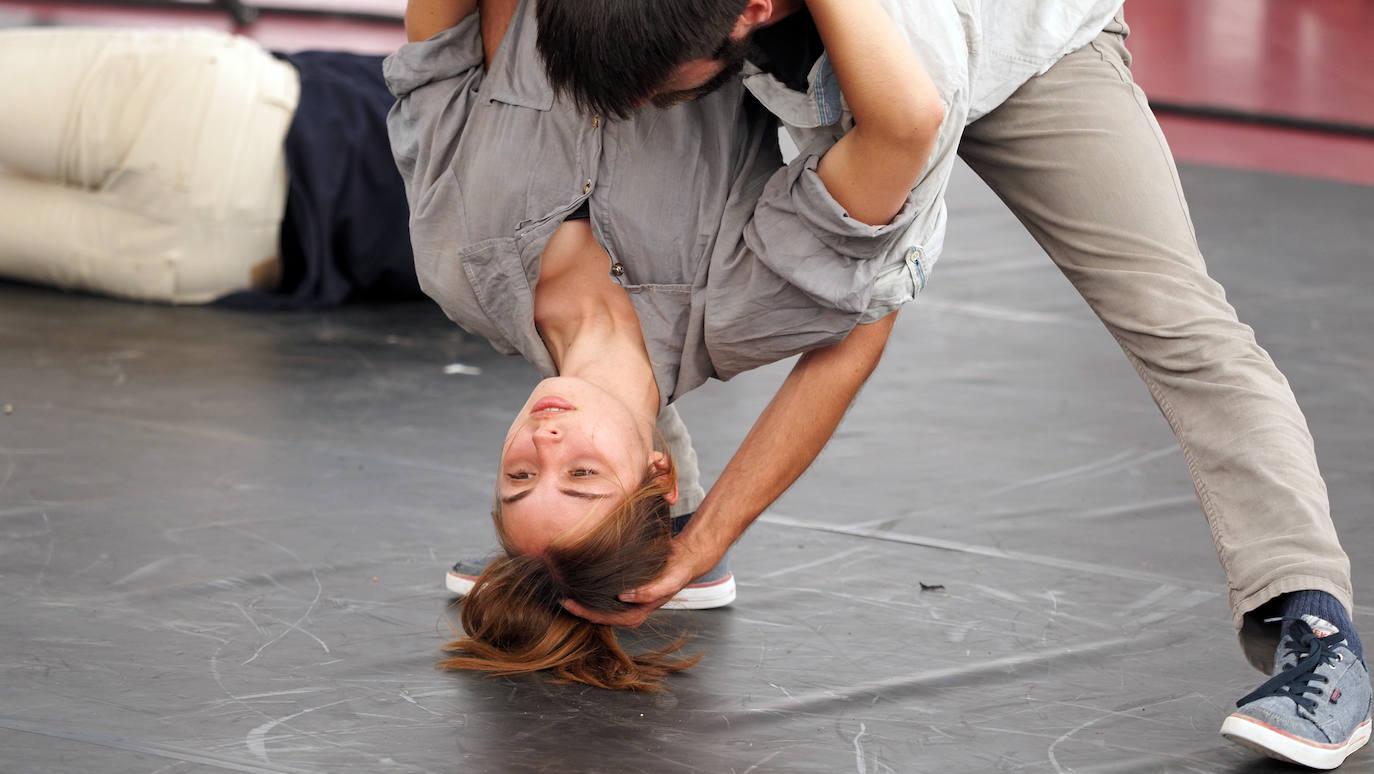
x: 515, y: 622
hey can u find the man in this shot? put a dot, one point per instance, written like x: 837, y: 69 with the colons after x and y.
x: 192, y: 166
x: 1040, y: 103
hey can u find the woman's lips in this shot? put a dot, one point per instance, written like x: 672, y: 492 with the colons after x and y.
x: 552, y: 403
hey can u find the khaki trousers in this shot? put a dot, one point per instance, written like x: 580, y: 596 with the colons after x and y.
x: 142, y: 164
x: 1078, y: 157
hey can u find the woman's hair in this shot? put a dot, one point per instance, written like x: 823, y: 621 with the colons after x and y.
x: 514, y: 619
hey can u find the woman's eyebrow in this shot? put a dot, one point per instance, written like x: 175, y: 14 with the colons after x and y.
x: 569, y: 492
x: 516, y: 497
x: 579, y: 495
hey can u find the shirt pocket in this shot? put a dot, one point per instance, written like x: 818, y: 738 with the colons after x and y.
x: 664, y: 312
x: 483, y: 288
x: 675, y: 348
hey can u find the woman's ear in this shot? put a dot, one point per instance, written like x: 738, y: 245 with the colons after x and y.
x: 660, y: 466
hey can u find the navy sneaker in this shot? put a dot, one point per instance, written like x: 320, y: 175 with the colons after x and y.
x: 714, y: 589
x: 1315, y: 710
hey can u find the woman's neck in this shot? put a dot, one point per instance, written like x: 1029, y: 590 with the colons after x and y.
x: 588, y: 323
x: 600, y: 345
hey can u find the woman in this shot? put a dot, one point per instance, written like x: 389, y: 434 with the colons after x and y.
x: 557, y: 235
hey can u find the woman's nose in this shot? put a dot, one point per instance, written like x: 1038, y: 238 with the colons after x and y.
x: 547, y: 433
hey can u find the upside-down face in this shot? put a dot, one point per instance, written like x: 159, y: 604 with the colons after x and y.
x: 573, y: 453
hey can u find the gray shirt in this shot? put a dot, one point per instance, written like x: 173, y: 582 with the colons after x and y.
x: 730, y: 259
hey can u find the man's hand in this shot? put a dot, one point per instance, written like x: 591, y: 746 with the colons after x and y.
x: 684, y: 565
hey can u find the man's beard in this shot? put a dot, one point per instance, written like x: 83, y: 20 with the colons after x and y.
x: 733, y: 52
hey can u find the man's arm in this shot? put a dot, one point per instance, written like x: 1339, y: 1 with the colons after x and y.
x: 781, y: 445
x: 897, y: 110
x: 869, y: 172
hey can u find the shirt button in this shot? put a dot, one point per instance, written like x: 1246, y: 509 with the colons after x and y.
x: 596, y: 122
x: 618, y: 269
x: 586, y: 188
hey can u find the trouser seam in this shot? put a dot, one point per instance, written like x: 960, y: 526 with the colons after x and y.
x: 1229, y: 517
x: 1211, y: 511
x: 1204, y: 493
x: 1215, y: 522
x: 1161, y: 145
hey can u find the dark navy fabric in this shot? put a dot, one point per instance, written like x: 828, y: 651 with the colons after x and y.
x: 1326, y: 607
x: 788, y: 49
x: 345, y: 235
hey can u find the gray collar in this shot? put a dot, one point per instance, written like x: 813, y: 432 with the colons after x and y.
x: 519, y: 84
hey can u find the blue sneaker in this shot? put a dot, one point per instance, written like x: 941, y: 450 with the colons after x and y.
x: 714, y: 589
x: 462, y: 576
x: 1314, y: 711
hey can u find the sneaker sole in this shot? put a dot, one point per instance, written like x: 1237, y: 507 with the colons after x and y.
x: 704, y: 596
x: 1283, y: 746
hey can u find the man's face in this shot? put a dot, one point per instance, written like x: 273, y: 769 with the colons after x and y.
x: 697, y: 78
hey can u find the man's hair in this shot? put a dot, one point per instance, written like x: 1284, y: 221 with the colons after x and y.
x: 515, y: 622
x: 608, y: 56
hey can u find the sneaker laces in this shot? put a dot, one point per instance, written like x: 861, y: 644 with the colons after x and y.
x: 1296, y: 681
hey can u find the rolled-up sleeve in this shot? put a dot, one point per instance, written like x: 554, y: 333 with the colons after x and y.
x: 802, y: 272
x: 435, y: 83
x: 806, y: 238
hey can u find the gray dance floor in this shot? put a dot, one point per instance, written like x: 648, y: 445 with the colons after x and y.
x: 223, y: 535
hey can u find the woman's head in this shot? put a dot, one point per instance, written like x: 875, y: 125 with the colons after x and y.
x: 514, y: 616
x: 571, y: 457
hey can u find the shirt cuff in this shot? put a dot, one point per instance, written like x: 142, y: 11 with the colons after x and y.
x: 817, y: 209
x: 804, y: 236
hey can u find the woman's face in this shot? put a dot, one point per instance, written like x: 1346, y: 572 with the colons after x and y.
x: 572, y: 455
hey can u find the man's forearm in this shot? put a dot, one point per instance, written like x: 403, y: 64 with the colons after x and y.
x: 786, y: 438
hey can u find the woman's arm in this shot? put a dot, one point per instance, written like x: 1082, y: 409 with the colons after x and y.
x: 427, y: 18
x: 897, y: 110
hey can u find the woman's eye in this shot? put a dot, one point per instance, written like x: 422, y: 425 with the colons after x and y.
x: 521, y: 476
x: 583, y: 472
